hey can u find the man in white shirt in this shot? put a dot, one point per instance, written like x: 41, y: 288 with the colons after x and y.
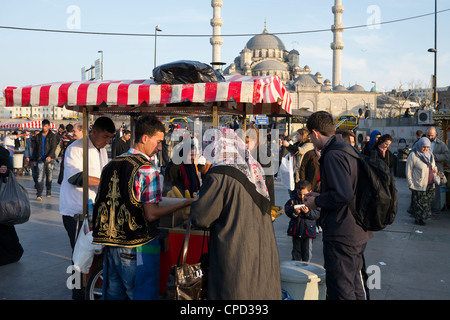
x: 71, y: 193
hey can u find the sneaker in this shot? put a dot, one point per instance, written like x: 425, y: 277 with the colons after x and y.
x: 49, y: 194
x: 39, y: 198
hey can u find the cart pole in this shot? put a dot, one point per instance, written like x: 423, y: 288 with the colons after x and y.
x: 215, y: 112
x: 85, y: 162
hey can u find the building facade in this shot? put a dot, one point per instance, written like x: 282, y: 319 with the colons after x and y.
x: 265, y: 54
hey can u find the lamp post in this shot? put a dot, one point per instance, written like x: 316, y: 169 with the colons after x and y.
x: 157, y: 29
x: 434, y: 50
x: 101, y: 63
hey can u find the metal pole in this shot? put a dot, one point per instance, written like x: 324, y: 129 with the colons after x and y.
x: 435, y: 53
x: 157, y: 28
x: 101, y: 64
x: 85, y: 161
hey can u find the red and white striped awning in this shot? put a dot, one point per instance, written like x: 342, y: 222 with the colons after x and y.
x: 261, y: 95
x: 24, y: 125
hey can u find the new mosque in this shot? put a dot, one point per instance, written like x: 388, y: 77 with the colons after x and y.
x: 266, y: 54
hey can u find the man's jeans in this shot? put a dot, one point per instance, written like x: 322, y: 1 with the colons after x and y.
x: 44, y: 170
x: 119, y: 273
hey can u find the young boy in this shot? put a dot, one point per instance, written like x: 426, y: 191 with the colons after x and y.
x: 302, y: 227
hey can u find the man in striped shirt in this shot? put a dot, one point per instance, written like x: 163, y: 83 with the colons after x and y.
x: 126, y: 217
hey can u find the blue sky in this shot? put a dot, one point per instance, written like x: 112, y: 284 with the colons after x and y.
x: 393, y: 55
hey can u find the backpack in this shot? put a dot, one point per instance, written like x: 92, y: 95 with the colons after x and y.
x: 376, y: 193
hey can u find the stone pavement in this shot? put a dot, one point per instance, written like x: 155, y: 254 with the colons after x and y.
x: 413, y: 261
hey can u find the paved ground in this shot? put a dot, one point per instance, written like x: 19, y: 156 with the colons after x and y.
x: 413, y: 261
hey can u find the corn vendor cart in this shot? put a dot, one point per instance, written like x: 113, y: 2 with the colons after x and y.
x: 237, y: 95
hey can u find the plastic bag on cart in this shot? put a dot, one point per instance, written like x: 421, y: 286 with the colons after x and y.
x: 14, y: 202
x: 186, y: 71
x: 84, y: 251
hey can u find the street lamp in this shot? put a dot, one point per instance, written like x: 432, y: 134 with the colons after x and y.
x: 101, y: 63
x: 434, y: 50
x: 157, y: 29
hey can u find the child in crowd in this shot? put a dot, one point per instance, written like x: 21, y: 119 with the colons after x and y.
x: 302, y: 227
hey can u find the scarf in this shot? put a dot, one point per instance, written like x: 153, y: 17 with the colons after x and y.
x: 226, y: 148
x: 426, y: 157
x: 373, y: 136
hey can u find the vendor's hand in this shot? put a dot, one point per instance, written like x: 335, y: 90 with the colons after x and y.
x: 188, y: 201
x: 3, y: 169
x: 48, y: 159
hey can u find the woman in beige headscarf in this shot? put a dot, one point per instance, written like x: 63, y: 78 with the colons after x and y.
x: 234, y: 204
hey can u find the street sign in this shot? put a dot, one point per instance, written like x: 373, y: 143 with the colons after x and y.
x: 262, y: 120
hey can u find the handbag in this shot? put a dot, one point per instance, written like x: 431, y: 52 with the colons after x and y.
x: 440, y: 179
x: 188, y: 281
x: 14, y: 201
x: 84, y: 250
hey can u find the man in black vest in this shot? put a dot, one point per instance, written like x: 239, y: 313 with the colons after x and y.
x: 126, y: 216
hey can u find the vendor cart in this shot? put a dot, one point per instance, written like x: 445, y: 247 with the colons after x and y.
x: 237, y: 95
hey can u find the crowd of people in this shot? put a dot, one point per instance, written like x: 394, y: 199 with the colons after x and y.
x: 230, y: 194
x: 322, y: 186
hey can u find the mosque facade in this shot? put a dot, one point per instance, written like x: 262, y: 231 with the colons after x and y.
x: 266, y: 54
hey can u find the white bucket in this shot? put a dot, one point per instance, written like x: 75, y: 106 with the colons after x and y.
x: 18, y: 160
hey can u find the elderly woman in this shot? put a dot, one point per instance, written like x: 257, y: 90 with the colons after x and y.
x: 420, y: 171
x: 234, y: 203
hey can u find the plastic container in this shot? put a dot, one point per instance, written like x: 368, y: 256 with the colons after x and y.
x: 18, y: 161
x: 303, y: 280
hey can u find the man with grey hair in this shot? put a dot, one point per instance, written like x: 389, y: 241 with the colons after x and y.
x: 78, y: 130
x: 441, y: 154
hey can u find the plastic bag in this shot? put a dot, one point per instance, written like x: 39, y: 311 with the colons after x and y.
x: 186, y: 71
x: 14, y: 202
x: 84, y: 251
x: 286, y: 172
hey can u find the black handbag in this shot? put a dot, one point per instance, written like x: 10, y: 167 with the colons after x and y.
x: 188, y: 281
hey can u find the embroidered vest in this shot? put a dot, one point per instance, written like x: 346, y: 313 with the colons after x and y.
x: 118, y: 217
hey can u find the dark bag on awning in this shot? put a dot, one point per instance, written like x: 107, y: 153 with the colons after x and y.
x: 186, y: 71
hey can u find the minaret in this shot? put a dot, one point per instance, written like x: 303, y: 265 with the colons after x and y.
x: 337, y: 45
x: 216, y: 23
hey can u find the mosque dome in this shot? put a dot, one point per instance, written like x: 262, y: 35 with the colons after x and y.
x: 265, y: 40
x: 269, y: 65
x: 340, y: 88
x: 356, y: 88
x: 306, y: 80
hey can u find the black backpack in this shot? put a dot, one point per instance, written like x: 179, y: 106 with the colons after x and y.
x: 376, y: 193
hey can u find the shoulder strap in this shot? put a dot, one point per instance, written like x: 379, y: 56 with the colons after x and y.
x: 260, y: 200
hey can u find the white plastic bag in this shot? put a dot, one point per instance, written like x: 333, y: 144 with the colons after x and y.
x: 84, y: 251
x: 286, y: 172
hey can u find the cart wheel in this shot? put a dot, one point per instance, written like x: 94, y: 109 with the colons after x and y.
x: 93, y: 290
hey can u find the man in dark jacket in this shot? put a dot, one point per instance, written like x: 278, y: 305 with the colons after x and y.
x: 44, y: 158
x: 344, y: 241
